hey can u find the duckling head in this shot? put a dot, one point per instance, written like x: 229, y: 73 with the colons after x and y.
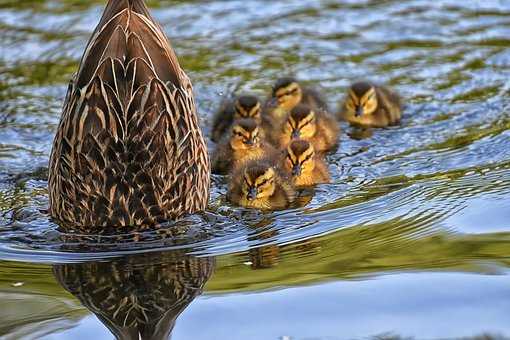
x: 259, y: 181
x: 245, y: 134
x: 287, y: 92
x: 362, y: 99
x: 299, y: 159
x: 247, y: 106
x: 301, y: 123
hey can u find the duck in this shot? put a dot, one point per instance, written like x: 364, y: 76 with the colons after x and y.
x: 317, y: 127
x: 244, y: 142
x: 243, y: 106
x: 261, y: 184
x: 128, y: 152
x: 368, y: 105
x: 304, y: 165
x: 286, y: 94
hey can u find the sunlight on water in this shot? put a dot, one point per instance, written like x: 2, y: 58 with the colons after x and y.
x: 413, y: 230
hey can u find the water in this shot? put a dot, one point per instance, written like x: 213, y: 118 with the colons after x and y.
x: 412, y: 238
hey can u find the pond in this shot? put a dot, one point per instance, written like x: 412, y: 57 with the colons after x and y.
x: 410, y: 240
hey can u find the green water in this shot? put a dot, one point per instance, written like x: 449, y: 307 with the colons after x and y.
x: 411, y: 240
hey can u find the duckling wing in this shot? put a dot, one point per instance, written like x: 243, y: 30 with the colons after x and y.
x: 223, y: 119
x: 328, y: 130
x: 390, y: 103
x: 222, y: 159
x: 314, y: 99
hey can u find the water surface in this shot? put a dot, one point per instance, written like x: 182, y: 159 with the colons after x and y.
x: 412, y: 238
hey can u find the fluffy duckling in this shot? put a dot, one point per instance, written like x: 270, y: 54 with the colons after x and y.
x: 260, y: 184
x: 369, y: 105
x: 287, y: 94
x: 243, y: 143
x: 244, y: 106
x: 306, y: 167
x: 317, y: 127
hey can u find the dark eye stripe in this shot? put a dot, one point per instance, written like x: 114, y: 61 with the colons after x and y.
x: 306, y: 122
x: 369, y: 98
x: 307, y: 158
x: 262, y: 183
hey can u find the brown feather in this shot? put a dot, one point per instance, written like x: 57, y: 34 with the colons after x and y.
x: 128, y: 149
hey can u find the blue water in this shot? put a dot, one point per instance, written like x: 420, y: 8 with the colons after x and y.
x: 411, y: 239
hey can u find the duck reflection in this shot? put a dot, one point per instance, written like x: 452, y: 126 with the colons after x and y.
x: 140, y: 296
x: 268, y: 255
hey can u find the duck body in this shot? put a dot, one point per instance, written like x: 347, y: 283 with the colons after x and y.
x: 319, y: 128
x: 245, y: 142
x: 371, y: 106
x: 261, y: 184
x: 128, y: 150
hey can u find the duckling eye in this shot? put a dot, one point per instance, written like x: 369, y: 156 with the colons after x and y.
x: 306, y: 159
x: 369, y: 100
x: 263, y: 183
x: 307, y: 122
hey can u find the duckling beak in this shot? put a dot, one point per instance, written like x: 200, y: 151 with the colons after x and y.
x: 359, y: 111
x: 252, y: 194
x: 296, y: 170
x: 295, y: 134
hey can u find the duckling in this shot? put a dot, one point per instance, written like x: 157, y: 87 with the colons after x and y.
x: 305, y: 166
x: 317, y: 127
x: 260, y: 184
x: 243, y: 143
x: 244, y: 106
x: 369, y: 105
x: 287, y: 94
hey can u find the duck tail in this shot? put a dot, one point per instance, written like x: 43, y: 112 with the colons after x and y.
x: 114, y: 7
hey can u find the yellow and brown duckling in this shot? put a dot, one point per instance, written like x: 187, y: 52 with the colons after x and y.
x: 287, y: 94
x: 369, y: 105
x: 244, y: 106
x: 261, y: 184
x: 317, y: 127
x: 245, y: 142
x: 306, y: 167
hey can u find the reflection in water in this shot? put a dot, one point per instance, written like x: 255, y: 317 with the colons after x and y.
x: 266, y: 256
x: 360, y: 133
x: 137, y: 296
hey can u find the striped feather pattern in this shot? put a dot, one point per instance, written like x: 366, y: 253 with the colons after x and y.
x: 137, y: 297
x: 128, y: 150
